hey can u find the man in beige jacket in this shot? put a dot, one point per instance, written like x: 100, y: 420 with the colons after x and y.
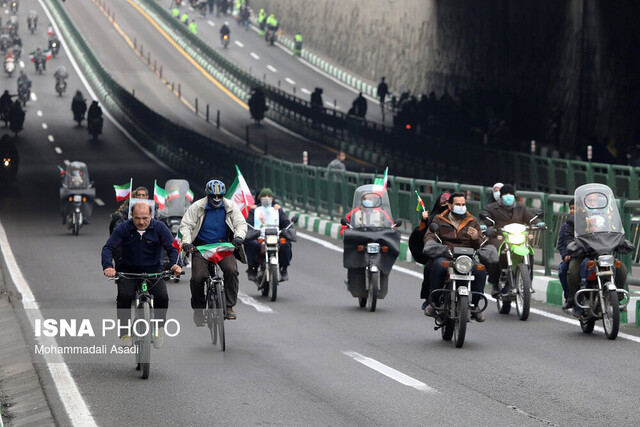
x: 213, y: 219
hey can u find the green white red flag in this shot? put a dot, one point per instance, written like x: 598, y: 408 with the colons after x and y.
x: 173, y: 194
x: 189, y: 195
x: 380, y: 184
x: 123, y: 192
x: 216, y: 251
x: 177, y: 242
x: 159, y: 195
x: 240, y: 194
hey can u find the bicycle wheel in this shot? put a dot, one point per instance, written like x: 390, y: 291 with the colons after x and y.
x: 372, y: 300
x: 611, y: 314
x: 273, y: 281
x: 221, y: 306
x: 211, y: 306
x: 523, y: 292
x: 462, y: 317
x: 143, y: 343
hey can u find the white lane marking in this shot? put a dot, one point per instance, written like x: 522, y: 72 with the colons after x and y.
x: 39, y: 113
x: 58, y: 150
x: 272, y: 68
x: 255, y: 56
x: 262, y: 308
x: 213, y: 24
x: 76, y: 407
x: 33, y: 96
x: 50, y: 137
x: 305, y: 90
x: 99, y: 202
x: 419, y: 276
x: 44, y: 126
x: 21, y: 63
x: 239, y: 44
x: 290, y: 81
x: 389, y: 371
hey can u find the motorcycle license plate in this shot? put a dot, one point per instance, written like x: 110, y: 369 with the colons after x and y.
x: 461, y: 277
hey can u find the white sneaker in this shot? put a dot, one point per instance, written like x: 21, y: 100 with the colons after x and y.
x: 158, y: 338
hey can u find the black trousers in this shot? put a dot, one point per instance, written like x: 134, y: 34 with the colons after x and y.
x: 126, y: 292
x: 229, y: 267
x: 252, y: 250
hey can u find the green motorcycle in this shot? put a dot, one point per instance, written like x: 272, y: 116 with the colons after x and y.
x: 515, y: 279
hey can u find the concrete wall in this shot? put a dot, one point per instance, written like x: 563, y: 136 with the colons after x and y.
x: 527, y: 55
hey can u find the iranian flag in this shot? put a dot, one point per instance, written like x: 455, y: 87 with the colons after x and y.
x: 216, y: 251
x: 123, y: 192
x: 177, y: 242
x: 173, y: 194
x: 189, y: 196
x: 159, y: 195
x: 380, y: 184
x: 240, y: 193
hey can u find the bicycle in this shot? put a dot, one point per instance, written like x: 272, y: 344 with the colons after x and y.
x: 216, y: 308
x: 142, y: 312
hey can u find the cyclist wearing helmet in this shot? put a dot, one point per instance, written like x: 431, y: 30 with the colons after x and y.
x: 213, y: 219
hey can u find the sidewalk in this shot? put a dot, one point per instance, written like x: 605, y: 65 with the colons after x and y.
x: 547, y: 288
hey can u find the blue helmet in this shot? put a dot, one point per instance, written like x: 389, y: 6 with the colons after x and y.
x: 215, y: 188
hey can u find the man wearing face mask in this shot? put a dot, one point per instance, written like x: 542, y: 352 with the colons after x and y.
x: 457, y: 228
x: 264, y: 215
x: 496, y: 191
x: 213, y: 219
x: 505, y: 211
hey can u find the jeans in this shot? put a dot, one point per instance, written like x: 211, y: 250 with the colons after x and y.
x: 562, y: 275
x: 439, y: 274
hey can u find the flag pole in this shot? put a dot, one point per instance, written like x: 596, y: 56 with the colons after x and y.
x: 130, y: 188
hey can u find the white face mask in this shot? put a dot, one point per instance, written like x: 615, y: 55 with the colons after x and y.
x: 265, y: 202
x: 459, y: 210
x: 496, y: 195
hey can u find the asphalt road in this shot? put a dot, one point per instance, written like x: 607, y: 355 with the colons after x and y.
x: 299, y: 360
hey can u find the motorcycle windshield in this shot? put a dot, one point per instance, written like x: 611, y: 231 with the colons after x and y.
x: 76, y: 176
x: 265, y: 217
x: 371, y: 207
x: 176, y: 202
x: 355, y: 247
x: 598, y: 226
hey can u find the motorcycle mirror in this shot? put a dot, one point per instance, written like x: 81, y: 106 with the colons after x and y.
x: 294, y: 220
x: 434, y: 228
x: 344, y: 221
x: 491, y: 232
x: 540, y: 214
x: 398, y: 222
x: 483, y: 215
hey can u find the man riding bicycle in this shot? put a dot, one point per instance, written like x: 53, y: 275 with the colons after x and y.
x: 141, y: 239
x: 213, y: 219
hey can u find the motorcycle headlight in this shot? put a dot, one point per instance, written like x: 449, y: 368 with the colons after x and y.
x: 77, y: 198
x: 6, y: 162
x: 373, y: 248
x: 272, y: 239
x: 464, y: 264
x: 606, y: 260
x: 516, y: 239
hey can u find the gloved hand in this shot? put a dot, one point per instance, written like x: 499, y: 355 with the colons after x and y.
x: 541, y: 225
x: 187, y: 247
x: 483, y: 227
x: 237, y: 241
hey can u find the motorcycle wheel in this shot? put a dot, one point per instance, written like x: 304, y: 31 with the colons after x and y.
x: 462, y: 317
x: 447, y: 329
x: 587, y: 325
x: 504, y: 307
x: 273, y: 283
x: 362, y: 302
x: 611, y: 314
x: 523, y: 292
x: 372, y: 299
x: 76, y: 223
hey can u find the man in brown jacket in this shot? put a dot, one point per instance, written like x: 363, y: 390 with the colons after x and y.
x: 458, y: 228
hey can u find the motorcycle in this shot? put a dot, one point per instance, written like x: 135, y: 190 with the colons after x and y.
x: 76, y: 196
x: 16, y: 120
x: 10, y: 161
x: 23, y: 94
x: 452, y: 314
x: 95, y: 127
x: 177, y: 201
x: 32, y: 21
x: 9, y: 66
x: 257, y: 106
x: 371, y: 246
x: 515, y: 279
x: 599, y: 234
x: 270, y: 239
x: 79, y: 108
x: 61, y: 86
x: 14, y: 7
x: 54, y: 47
x: 39, y: 64
x: 225, y: 40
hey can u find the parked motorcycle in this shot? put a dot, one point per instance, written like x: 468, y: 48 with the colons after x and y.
x: 76, y: 196
x: 515, y: 279
x: 451, y: 303
x: 371, y: 245
x: 599, y: 234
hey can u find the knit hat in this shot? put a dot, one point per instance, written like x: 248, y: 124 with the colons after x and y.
x: 266, y: 192
x: 444, y: 198
x: 507, y: 189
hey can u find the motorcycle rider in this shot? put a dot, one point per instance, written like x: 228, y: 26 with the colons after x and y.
x: 213, y: 219
x: 224, y: 31
x: 95, y: 112
x: 53, y: 38
x: 78, y: 106
x: 458, y: 228
x: 61, y: 75
x: 16, y: 117
x: 141, y: 239
x: 32, y: 19
x: 24, y: 83
x: 252, y: 247
x: 506, y: 211
x: 257, y: 104
x: 40, y: 57
x: 495, y: 191
x: 564, y: 264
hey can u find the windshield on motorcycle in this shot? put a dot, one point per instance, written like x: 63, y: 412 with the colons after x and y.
x: 371, y: 208
x: 176, y: 201
x: 598, y: 226
x: 76, y: 176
